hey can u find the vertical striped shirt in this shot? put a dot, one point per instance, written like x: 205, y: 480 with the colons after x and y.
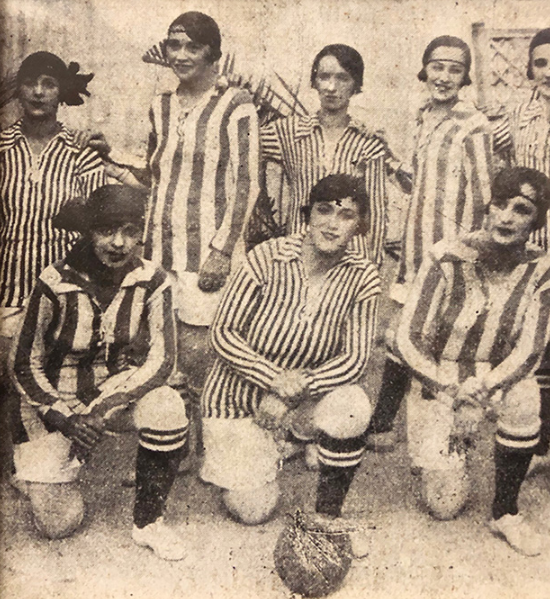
x: 461, y: 312
x: 530, y: 133
x: 32, y: 191
x: 452, y: 170
x: 269, y: 321
x: 205, y: 172
x: 296, y: 142
x: 73, y: 355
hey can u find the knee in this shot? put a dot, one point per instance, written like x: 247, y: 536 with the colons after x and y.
x: 445, y: 492
x: 161, y: 409
x: 344, y: 412
x: 58, y: 509
x: 253, y: 506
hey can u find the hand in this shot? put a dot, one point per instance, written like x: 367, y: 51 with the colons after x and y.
x: 85, y: 432
x: 271, y: 414
x: 214, y: 272
x: 467, y: 419
x: 472, y: 391
x: 94, y: 140
x: 291, y: 386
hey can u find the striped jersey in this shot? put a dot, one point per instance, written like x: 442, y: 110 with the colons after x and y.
x: 296, y: 142
x: 461, y: 312
x: 530, y: 133
x: 204, y: 166
x: 269, y: 321
x: 32, y: 191
x: 452, y: 170
x: 73, y: 355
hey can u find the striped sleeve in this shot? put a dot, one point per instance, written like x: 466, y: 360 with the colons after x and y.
x: 350, y: 364
x: 419, y: 316
x: 271, y: 143
x: 479, y: 167
x: 529, y: 348
x: 130, y: 386
x: 242, y: 137
x: 31, y: 352
x: 375, y: 183
x: 239, y: 303
x: 90, y: 172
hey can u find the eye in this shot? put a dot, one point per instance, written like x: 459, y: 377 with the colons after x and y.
x: 194, y: 48
x: 456, y: 70
x: 524, y: 210
x: 540, y: 62
x: 173, y: 44
x: 348, y: 215
x: 323, y: 208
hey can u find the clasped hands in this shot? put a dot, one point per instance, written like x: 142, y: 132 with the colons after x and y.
x: 471, y: 403
x: 85, y: 431
x: 214, y: 271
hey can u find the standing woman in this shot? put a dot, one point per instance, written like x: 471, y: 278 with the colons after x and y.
x: 530, y: 136
x: 329, y: 142
x: 451, y: 188
x: 42, y: 167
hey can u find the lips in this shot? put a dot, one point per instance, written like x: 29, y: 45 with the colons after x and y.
x: 329, y: 236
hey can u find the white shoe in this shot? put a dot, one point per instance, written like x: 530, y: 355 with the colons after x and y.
x: 162, y: 539
x: 517, y: 533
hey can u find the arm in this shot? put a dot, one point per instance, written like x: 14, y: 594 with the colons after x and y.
x: 350, y: 364
x: 130, y: 385
x: 240, y: 301
x: 375, y: 184
x: 90, y: 172
x: 479, y: 171
x: 419, y: 320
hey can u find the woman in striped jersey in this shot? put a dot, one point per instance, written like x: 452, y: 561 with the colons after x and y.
x: 96, y: 348
x: 331, y: 141
x: 295, y: 326
x: 473, y: 330
x: 42, y: 167
x: 451, y: 188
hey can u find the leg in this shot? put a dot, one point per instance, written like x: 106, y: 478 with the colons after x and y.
x: 162, y: 428
x: 516, y: 440
x: 242, y: 459
x: 58, y: 509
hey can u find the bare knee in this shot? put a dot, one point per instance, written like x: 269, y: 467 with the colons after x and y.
x: 252, y: 506
x: 58, y: 509
x: 343, y: 413
x: 445, y: 492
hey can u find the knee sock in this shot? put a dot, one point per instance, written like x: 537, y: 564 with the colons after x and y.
x: 544, y: 443
x: 155, y: 474
x: 395, y: 382
x: 511, y: 466
x: 339, y: 460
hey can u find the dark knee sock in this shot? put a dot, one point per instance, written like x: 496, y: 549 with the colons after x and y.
x: 339, y: 460
x: 544, y: 443
x: 511, y: 466
x: 395, y: 382
x: 155, y: 474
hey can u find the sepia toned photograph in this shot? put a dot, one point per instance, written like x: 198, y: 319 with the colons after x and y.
x: 274, y: 299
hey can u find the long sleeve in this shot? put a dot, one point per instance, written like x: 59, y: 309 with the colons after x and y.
x: 350, y: 364
x: 242, y: 140
x: 131, y: 385
x: 271, y: 143
x: 415, y: 336
x: 31, y: 353
x: 375, y: 184
x: 229, y: 328
x: 90, y: 172
x: 479, y: 171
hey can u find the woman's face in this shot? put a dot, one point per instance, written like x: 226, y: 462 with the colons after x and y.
x: 116, y: 245
x: 511, y: 221
x: 39, y: 96
x: 333, y: 224
x: 189, y: 60
x: 334, y: 85
x: 445, y: 73
x: 540, y: 65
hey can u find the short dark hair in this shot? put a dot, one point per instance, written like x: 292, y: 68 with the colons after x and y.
x: 448, y: 41
x: 507, y: 184
x: 337, y: 187
x: 349, y: 59
x: 539, y: 39
x: 202, y: 29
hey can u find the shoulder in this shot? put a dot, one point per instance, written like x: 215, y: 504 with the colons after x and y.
x: 468, y: 117
x: 9, y: 136
x: 454, y: 250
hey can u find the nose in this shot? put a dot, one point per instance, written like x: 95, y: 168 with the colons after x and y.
x: 444, y: 75
x: 117, y: 240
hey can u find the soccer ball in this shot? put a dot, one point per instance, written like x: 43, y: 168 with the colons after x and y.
x: 310, y: 561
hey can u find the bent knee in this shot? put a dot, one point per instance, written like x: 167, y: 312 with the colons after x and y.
x: 58, y: 509
x: 343, y: 413
x: 161, y: 409
x: 253, y: 506
x: 445, y: 492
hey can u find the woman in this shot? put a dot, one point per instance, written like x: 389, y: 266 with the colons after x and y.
x: 451, y: 188
x: 306, y: 348
x: 96, y: 348
x: 473, y: 330
x: 331, y: 141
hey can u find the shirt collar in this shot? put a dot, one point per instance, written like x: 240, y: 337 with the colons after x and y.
x: 65, y: 134
x: 533, y: 110
x: 290, y: 248
x: 307, y: 124
x: 460, y: 111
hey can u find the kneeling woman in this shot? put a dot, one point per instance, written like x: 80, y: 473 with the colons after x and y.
x: 473, y: 330
x: 98, y: 345
x: 295, y: 327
